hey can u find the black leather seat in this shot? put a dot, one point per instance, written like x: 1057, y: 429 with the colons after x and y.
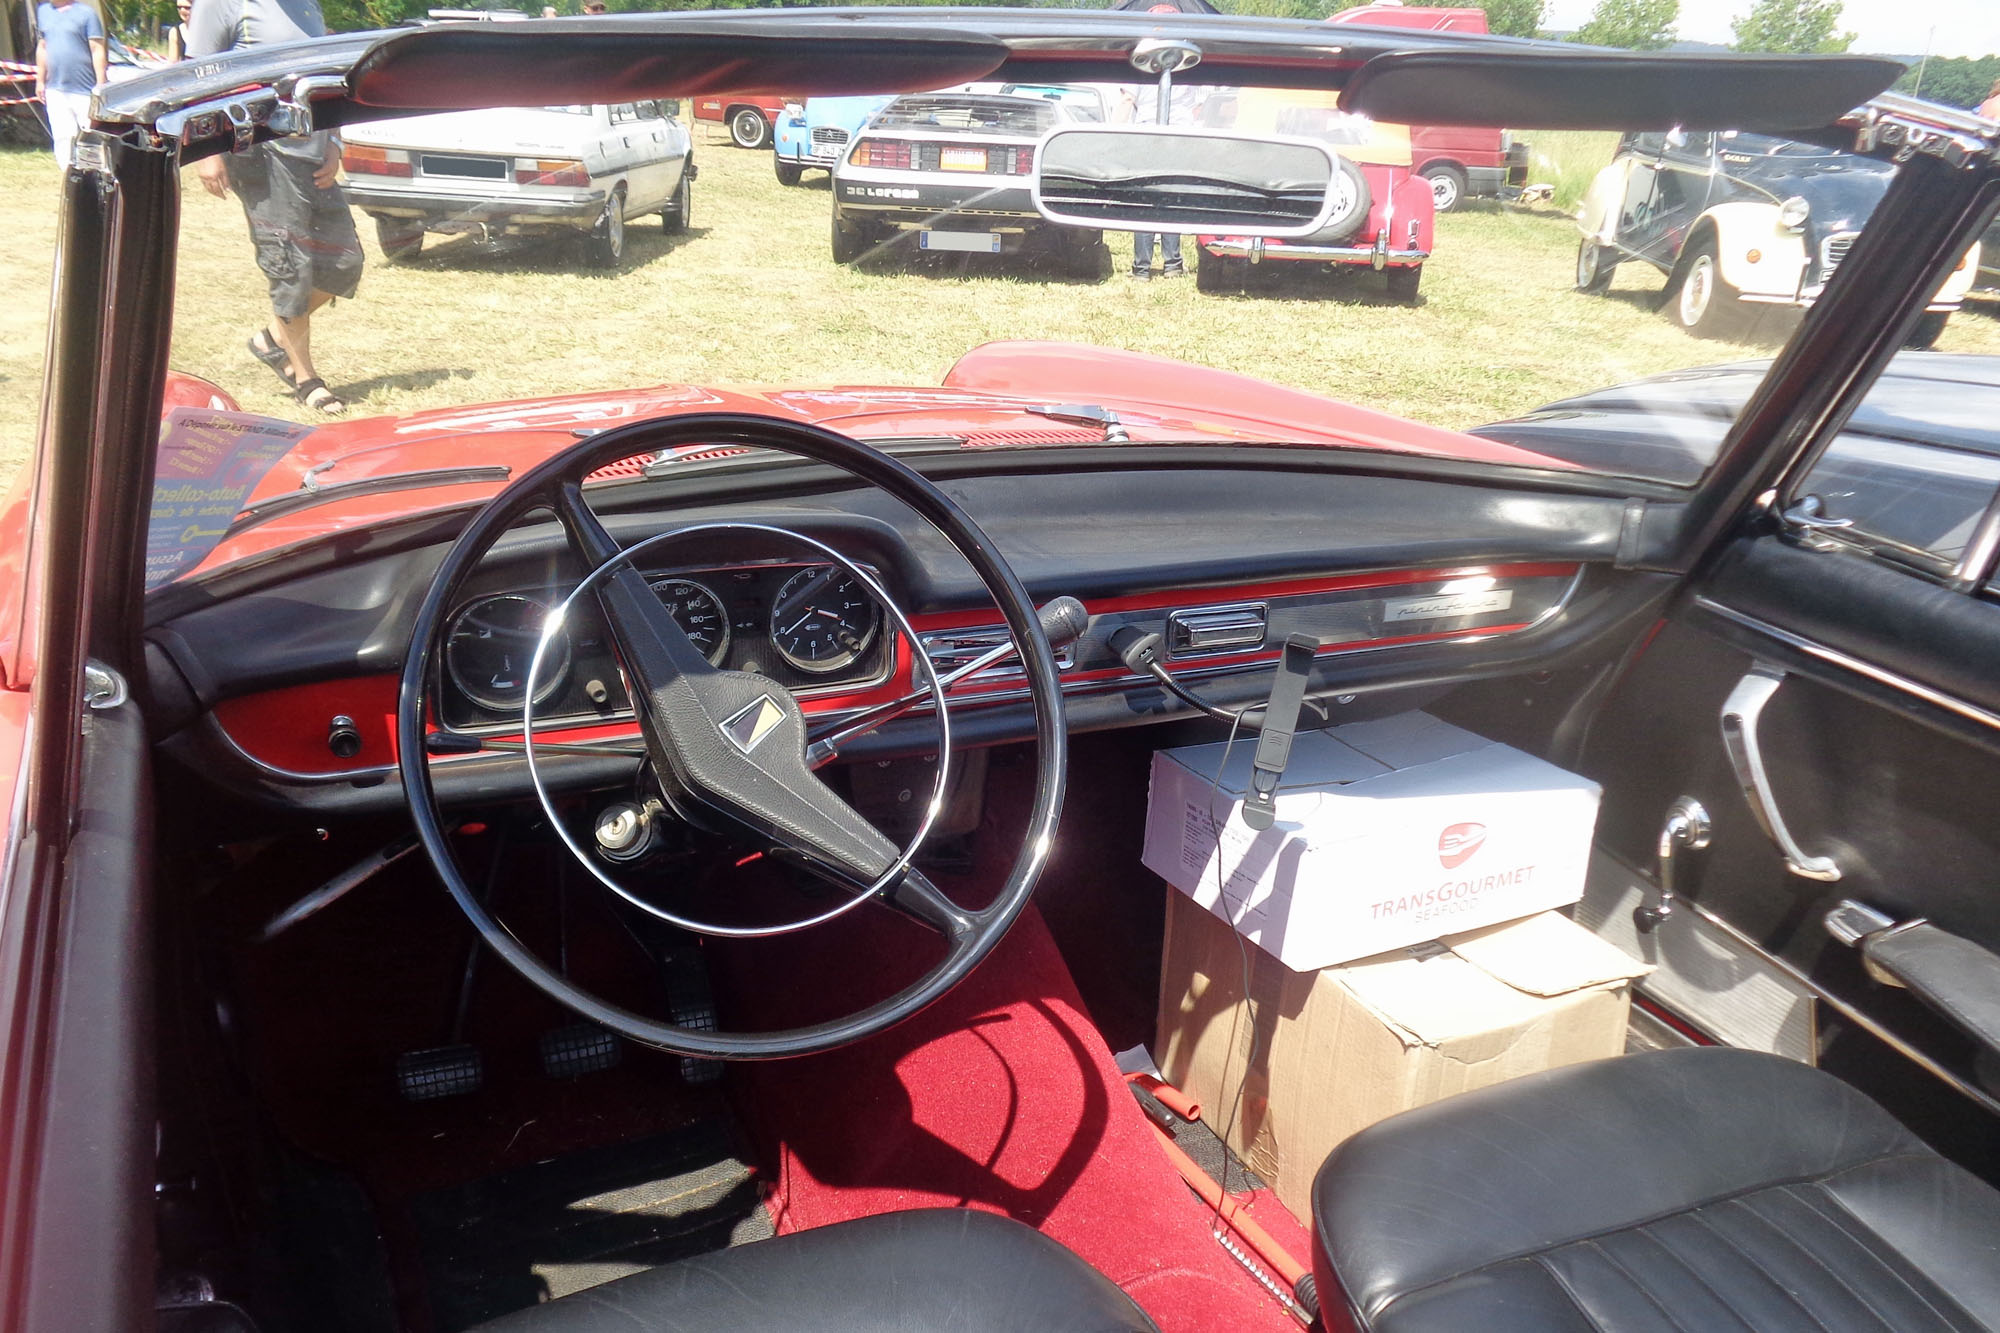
x: 1680, y: 1191
x: 937, y: 1268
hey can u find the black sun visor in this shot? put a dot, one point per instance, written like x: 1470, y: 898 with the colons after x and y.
x: 1392, y: 74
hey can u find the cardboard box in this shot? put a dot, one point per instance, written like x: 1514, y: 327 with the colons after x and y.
x: 1388, y: 833
x: 1340, y: 1049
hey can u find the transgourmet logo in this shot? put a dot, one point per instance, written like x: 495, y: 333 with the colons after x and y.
x: 1457, y: 844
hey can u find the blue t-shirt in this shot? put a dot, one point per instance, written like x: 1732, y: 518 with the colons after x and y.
x: 69, y: 30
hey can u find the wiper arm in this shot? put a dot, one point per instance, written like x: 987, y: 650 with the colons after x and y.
x: 309, y: 495
x: 1085, y: 414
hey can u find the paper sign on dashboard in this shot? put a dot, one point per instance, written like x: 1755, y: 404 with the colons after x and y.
x: 209, y: 462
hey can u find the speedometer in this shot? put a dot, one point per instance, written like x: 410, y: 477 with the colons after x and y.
x: 699, y: 613
x: 823, y: 619
x: 488, y: 649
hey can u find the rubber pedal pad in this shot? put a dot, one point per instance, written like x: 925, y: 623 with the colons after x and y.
x: 579, y: 1049
x: 439, y: 1072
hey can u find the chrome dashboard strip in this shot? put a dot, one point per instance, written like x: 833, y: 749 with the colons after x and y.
x: 1834, y: 657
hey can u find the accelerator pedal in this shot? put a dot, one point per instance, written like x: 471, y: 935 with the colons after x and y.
x: 579, y: 1049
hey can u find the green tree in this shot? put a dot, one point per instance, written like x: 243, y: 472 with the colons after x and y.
x: 1638, y: 25
x: 1954, y: 80
x: 1515, y: 18
x: 1802, y: 27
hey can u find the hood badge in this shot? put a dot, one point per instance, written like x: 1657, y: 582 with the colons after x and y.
x: 747, y: 728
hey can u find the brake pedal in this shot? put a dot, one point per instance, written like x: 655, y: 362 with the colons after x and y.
x: 579, y: 1049
x: 691, y: 1004
x: 441, y: 1071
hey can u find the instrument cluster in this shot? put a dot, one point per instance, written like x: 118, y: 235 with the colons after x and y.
x: 809, y: 626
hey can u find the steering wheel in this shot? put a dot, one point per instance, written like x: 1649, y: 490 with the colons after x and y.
x: 692, y: 717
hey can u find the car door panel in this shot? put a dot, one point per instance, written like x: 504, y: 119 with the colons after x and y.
x: 1874, y: 756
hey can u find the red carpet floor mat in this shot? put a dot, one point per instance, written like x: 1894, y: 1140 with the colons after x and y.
x: 1003, y: 1097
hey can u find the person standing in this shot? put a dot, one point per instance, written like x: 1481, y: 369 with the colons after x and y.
x: 177, y: 35
x: 69, y: 63
x: 299, y: 221
x: 1990, y: 108
x: 1131, y: 108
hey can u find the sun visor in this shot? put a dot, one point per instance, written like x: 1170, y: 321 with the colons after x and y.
x: 461, y: 66
x: 1541, y: 89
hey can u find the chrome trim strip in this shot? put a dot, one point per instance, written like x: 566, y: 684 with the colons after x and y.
x: 1834, y: 657
x: 1986, y: 1101
x: 1078, y: 688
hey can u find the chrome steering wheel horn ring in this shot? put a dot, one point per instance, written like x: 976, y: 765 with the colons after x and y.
x: 552, y: 626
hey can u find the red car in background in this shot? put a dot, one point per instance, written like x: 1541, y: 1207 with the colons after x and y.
x: 749, y: 116
x: 1384, y: 216
x: 1460, y: 162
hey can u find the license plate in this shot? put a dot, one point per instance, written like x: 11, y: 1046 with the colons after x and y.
x: 825, y: 150
x: 962, y: 159
x: 975, y: 242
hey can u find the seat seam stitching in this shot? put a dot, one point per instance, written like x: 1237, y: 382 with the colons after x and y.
x: 1839, y: 1281
x: 1659, y: 1242
x: 1497, y: 1260
x: 1755, y: 1263
x: 1637, y: 1285
x: 1833, y: 1200
x: 1541, y: 1261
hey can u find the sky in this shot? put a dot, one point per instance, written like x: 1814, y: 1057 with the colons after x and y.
x: 1883, y: 27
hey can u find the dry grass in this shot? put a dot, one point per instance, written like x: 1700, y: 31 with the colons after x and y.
x: 750, y: 295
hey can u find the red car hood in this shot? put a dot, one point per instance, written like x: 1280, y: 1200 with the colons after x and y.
x: 982, y: 401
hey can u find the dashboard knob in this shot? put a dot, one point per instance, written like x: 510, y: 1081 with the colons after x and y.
x: 343, y: 737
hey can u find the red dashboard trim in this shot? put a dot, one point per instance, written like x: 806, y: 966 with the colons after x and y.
x: 286, y: 728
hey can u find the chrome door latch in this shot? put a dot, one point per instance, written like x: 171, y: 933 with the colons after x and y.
x: 102, y: 687
x: 1806, y: 523
x: 1686, y: 829
x: 1740, y: 713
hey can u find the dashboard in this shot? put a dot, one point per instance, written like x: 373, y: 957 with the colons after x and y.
x: 281, y: 688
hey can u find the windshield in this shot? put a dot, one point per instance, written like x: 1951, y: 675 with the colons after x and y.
x: 478, y: 295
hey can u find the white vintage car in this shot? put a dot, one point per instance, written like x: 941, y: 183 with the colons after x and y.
x: 522, y: 171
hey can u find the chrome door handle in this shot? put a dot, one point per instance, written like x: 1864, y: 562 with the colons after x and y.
x: 1740, y: 713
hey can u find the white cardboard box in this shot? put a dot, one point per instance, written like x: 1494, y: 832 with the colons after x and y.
x: 1388, y: 833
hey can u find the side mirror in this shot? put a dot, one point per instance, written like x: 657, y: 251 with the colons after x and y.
x: 670, y: 107
x: 1187, y: 182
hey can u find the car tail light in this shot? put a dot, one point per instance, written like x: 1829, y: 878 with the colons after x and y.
x: 549, y: 171
x: 373, y: 161
x: 891, y: 153
x: 1010, y: 161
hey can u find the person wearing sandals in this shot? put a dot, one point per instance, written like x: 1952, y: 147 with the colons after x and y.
x: 299, y: 221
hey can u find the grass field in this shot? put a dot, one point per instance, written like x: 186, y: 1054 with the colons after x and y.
x: 750, y: 295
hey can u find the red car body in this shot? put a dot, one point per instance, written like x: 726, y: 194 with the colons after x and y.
x: 734, y: 109
x: 1458, y: 161
x: 984, y: 401
x: 1396, y: 237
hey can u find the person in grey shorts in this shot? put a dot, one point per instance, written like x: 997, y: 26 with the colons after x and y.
x: 299, y: 221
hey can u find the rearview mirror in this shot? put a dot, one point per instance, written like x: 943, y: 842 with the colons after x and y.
x: 1146, y: 178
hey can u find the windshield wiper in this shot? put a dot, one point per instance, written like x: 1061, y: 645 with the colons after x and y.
x: 309, y: 494
x: 1085, y: 414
